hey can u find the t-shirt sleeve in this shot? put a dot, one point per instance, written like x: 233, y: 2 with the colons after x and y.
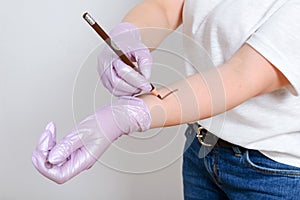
x: 278, y: 40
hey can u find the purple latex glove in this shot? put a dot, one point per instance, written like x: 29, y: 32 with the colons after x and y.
x: 81, y: 148
x: 119, y: 78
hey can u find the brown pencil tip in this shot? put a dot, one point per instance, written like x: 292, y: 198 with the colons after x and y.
x: 155, y: 93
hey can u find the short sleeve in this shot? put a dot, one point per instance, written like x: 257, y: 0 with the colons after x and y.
x: 278, y: 40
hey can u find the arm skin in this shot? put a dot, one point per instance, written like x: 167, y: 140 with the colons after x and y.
x: 156, y: 19
x: 247, y: 74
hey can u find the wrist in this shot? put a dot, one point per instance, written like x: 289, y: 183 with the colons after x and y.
x: 131, y: 114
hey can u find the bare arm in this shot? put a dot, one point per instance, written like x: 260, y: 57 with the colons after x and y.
x: 246, y: 75
x: 157, y: 18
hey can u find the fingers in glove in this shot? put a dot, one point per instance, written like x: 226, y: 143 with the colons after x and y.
x: 64, y: 148
x: 46, y: 142
x: 116, y: 85
x: 77, y: 162
x: 144, y: 61
x: 85, y: 133
x: 132, y: 77
x: 48, y: 138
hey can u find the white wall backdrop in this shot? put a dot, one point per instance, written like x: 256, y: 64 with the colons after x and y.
x: 48, y: 73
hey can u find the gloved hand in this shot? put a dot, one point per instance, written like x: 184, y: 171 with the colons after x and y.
x: 119, y: 78
x: 80, y: 149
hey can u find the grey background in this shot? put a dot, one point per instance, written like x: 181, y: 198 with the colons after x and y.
x: 48, y: 73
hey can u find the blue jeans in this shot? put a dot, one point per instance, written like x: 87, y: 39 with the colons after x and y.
x: 236, y: 173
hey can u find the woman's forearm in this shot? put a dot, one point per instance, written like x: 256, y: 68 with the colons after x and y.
x: 202, y: 95
x: 193, y: 99
x: 156, y: 19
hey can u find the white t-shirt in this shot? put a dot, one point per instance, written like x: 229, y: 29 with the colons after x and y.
x: 269, y: 123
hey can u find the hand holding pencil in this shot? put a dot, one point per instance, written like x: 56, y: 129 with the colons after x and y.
x: 115, y: 63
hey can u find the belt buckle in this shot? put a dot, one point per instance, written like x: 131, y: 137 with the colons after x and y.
x: 201, y: 134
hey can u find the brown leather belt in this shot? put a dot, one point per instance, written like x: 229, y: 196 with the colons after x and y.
x: 224, y: 144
